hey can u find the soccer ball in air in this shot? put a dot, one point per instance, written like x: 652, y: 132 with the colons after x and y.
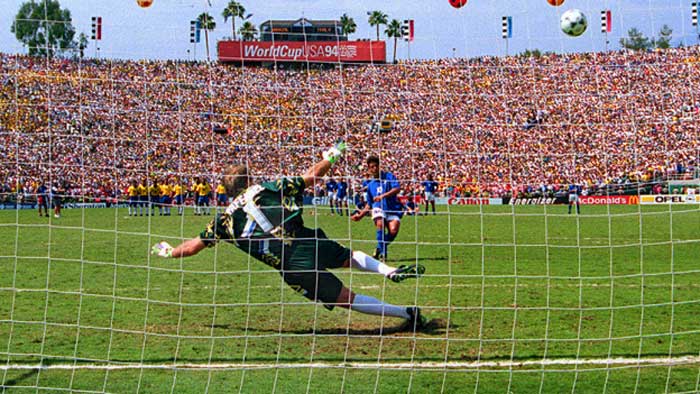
x: 458, y: 3
x: 144, y: 3
x: 573, y: 22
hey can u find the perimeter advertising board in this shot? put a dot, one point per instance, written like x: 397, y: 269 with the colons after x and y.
x: 609, y: 200
x: 669, y: 199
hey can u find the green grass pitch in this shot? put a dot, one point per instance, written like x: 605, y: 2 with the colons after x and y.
x: 509, y: 284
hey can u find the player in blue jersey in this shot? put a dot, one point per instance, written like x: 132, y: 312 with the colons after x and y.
x: 381, y: 197
x: 358, y: 198
x: 331, y: 190
x: 429, y: 189
x: 341, y: 197
x: 574, y: 192
x: 42, y: 198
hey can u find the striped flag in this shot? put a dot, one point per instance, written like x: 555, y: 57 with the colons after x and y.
x: 605, y: 21
x: 695, y: 13
x: 507, y: 27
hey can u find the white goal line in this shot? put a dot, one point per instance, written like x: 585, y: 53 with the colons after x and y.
x: 620, y: 361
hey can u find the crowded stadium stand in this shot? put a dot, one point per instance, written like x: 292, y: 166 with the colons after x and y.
x: 518, y: 126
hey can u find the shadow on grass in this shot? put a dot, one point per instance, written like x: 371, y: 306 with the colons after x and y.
x: 433, y: 327
x: 20, y: 378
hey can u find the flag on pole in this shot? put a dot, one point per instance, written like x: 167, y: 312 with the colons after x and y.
x: 605, y: 21
x: 507, y: 26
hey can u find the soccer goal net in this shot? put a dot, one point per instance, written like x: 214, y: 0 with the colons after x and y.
x: 548, y: 186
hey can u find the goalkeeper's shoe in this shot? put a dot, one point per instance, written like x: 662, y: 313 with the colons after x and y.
x: 416, y: 320
x: 407, y: 271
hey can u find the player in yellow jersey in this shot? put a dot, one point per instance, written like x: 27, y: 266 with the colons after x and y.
x: 204, y: 195
x: 195, y: 195
x: 143, y: 197
x: 221, y: 197
x: 178, y: 196
x: 165, y: 200
x: 133, y: 192
x: 153, y: 197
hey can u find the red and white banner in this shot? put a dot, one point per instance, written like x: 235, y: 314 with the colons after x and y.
x: 609, y: 200
x: 298, y: 51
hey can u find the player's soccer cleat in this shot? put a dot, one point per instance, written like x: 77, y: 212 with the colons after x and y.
x: 407, y: 271
x: 416, y: 320
x: 378, y: 255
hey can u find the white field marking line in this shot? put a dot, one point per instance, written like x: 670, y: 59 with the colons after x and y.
x: 618, y: 361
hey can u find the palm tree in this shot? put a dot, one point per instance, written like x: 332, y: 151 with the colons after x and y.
x: 393, y: 29
x: 347, y: 25
x: 207, y: 23
x: 248, y: 31
x: 233, y: 10
x: 377, y: 18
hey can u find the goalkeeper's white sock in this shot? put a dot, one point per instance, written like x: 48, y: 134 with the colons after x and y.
x: 373, y: 306
x: 364, y: 262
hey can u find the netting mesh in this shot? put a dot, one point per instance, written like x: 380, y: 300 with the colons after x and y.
x: 532, y: 298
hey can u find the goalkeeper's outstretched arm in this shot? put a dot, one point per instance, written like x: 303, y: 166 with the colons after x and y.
x: 185, y: 249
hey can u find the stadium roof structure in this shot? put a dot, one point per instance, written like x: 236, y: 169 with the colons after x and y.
x: 300, y: 22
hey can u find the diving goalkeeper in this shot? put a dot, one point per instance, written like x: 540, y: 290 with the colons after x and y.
x: 265, y: 221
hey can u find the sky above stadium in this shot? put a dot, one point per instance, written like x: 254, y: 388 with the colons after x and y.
x: 162, y: 31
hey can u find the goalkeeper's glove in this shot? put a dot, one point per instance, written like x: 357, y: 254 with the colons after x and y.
x: 162, y: 249
x: 335, y: 152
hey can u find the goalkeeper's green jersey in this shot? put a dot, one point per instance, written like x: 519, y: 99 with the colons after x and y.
x: 270, y: 212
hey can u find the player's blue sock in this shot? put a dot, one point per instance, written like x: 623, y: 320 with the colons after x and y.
x: 388, y: 238
x: 380, y: 241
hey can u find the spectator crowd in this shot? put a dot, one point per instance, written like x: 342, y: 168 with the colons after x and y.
x: 489, y: 126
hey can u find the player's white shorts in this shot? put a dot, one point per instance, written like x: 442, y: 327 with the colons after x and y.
x: 332, y: 196
x: 429, y: 196
x: 341, y: 199
x: 380, y: 213
x: 573, y: 198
